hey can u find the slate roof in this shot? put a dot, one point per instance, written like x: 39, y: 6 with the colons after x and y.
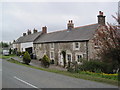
x: 76, y: 34
x: 28, y: 38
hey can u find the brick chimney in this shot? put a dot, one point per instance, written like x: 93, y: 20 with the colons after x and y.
x: 101, y: 18
x: 34, y: 30
x: 24, y: 34
x: 70, y: 25
x: 44, y: 29
x: 13, y: 40
x: 29, y: 32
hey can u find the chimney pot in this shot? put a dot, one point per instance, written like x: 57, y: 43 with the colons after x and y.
x: 101, y: 18
x: 24, y: 34
x: 34, y: 31
x: 29, y: 32
x: 70, y: 24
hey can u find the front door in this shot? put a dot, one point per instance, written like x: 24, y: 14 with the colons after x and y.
x: 60, y: 59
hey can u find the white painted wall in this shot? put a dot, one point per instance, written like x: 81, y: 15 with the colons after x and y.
x: 14, y: 46
x: 26, y: 45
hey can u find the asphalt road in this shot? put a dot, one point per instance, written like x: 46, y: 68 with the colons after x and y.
x: 17, y: 76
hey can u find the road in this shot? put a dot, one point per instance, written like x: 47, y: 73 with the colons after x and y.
x: 17, y: 76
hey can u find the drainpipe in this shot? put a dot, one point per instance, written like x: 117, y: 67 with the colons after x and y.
x: 87, y: 50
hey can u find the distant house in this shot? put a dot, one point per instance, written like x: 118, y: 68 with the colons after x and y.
x: 25, y: 42
x: 77, y: 42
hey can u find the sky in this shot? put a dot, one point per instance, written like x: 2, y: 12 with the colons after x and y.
x: 18, y: 17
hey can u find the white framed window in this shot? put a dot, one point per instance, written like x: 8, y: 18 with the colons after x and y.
x: 78, y: 57
x: 76, y: 45
x: 51, y: 55
x: 69, y: 57
x: 52, y: 45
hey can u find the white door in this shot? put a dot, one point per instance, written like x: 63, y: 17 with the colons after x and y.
x: 61, y: 59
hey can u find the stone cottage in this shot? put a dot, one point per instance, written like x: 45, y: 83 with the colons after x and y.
x: 77, y: 42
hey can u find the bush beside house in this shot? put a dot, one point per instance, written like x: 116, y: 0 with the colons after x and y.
x: 45, y: 61
x: 26, y: 58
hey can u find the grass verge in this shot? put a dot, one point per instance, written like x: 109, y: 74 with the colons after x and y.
x: 75, y: 75
x: 6, y: 57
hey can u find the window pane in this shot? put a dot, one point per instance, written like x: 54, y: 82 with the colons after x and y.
x: 79, y: 57
x: 52, y: 55
x: 76, y: 45
x: 69, y: 57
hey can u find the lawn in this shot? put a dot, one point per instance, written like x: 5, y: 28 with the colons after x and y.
x: 6, y: 57
x: 110, y: 79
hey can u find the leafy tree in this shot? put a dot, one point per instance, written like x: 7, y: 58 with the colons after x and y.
x: 26, y: 58
x: 3, y: 44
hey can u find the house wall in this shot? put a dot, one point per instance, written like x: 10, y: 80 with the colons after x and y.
x: 92, y: 50
x: 18, y: 46
x: 26, y: 45
x: 69, y: 47
x: 14, y: 46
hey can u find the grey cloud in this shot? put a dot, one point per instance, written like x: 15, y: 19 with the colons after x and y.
x: 18, y: 17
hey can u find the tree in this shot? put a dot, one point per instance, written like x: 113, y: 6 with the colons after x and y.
x: 109, y: 44
x: 26, y: 58
x: 3, y: 44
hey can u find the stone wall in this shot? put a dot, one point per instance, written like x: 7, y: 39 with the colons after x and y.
x: 42, y: 49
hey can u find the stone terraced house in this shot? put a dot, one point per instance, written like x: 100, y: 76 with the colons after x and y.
x: 77, y: 42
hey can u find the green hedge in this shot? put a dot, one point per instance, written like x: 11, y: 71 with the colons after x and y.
x: 93, y: 66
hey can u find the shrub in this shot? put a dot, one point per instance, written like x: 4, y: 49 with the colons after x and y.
x: 22, y: 53
x: 45, y: 61
x: 26, y: 58
x: 52, y: 61
x: 93, y: 66
x: 72, y: 66
x: 10, y: 51
x: 19, y: 53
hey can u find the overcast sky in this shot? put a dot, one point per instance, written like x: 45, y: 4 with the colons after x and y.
x: 17, y: 17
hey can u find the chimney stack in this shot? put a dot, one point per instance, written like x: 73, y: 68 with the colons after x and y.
x: 24, y: 34
x: 44, y: 29
x: 34, y: 31
x: 29, y: 32
x: 70, y: 25
x: 13, y: 40
x: 101, y: 18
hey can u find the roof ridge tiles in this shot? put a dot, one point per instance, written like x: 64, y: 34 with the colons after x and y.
x: 73, y: 28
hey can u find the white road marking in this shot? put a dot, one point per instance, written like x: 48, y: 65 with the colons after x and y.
x: 25, y: 82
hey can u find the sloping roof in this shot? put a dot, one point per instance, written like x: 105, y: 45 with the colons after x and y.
x: 76, y: 34
x: 28, y: 38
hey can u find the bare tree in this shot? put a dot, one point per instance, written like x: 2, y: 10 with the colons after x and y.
x: 108, y: 38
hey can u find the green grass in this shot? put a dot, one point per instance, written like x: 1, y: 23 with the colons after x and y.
x: 6, y: 57
x: 102, y: 75
x: 75, y: 75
